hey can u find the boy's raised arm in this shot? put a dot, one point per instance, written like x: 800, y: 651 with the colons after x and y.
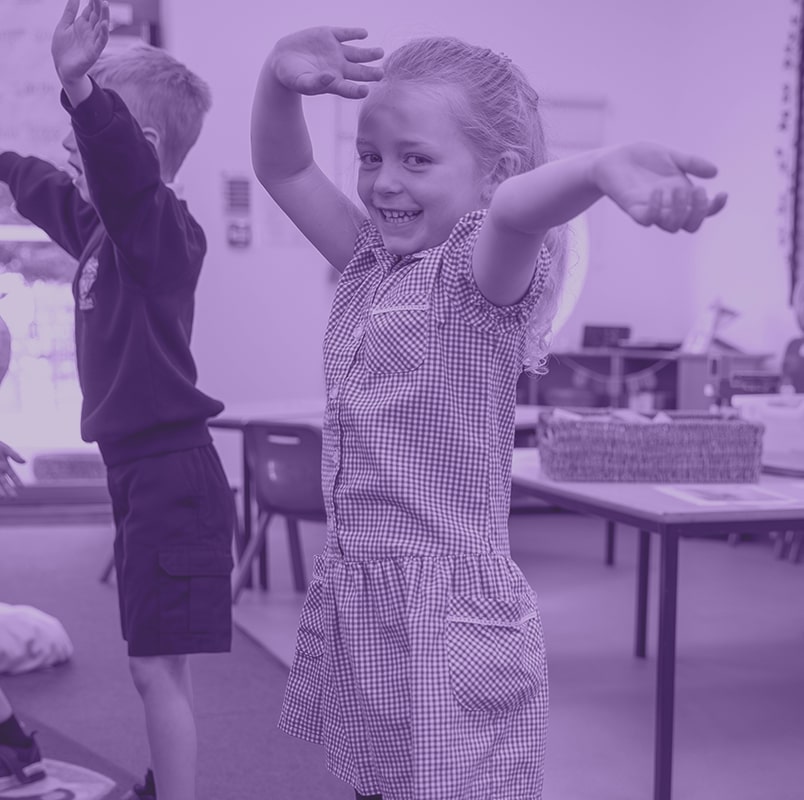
x: 145, y: 220
x: 46, y: 196
x: 313, y: 61
x: 651, y: 183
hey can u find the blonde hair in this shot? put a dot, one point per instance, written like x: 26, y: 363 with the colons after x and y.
x: 162, y: 94
x: 498, y: 111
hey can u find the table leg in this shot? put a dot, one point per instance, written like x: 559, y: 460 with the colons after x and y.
x: 247, y: 481
x: 666, y: 666
x: 643, y: 570
x: 611, y: 532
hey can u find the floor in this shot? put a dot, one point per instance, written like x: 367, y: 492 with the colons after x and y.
x: 739, y: 731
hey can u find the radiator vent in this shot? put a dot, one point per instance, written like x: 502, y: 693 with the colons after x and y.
x: 237, y: 195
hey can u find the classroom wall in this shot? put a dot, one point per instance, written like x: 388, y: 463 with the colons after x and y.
x: 692, y: 73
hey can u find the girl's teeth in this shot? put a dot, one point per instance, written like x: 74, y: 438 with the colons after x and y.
x: 399, y: 216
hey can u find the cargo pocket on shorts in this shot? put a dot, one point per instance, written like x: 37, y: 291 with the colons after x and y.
x: 194, y: 591
x: 495, y: 651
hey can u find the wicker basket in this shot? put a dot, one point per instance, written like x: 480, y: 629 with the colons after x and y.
x: 693, y: 448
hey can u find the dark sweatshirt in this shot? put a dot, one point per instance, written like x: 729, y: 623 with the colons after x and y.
x: 140, y: 253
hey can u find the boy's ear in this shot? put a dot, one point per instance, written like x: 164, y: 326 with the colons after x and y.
x: 152, y: 135
x: 508, y: 165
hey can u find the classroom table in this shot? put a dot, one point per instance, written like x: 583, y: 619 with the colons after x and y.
x: 649, y: 509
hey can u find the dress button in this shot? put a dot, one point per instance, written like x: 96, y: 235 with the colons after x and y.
x: 333, y: 395
x: 358, y: 331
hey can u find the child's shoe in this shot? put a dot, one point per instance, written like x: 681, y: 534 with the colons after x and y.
x: 20, y: 765
x: 143, y: 791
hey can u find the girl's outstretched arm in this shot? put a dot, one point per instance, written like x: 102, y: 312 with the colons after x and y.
x: 312, y: 61
x: 651, y: 183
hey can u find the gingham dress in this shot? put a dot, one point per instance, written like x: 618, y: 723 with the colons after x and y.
x: 420, y: 659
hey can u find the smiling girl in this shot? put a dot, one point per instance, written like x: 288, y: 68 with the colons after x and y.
x: 420, y: 660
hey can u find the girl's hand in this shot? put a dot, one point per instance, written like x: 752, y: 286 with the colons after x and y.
x: 9, y: 480
x: 316, y: 61
x: 652, y: 185
x: 79, y: 40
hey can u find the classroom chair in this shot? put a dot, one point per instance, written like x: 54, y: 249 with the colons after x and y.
x: 285, y: 464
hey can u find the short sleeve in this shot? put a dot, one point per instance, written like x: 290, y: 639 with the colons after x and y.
x: 368, y: 237
x: 460, y: 281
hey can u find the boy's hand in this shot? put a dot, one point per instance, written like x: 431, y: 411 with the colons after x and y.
x: 652, y: 184
x: 9, y: 480
x: 316, y: 61
x: 79, y: 40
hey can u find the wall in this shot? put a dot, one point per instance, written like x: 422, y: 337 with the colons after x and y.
x: 692, y: 73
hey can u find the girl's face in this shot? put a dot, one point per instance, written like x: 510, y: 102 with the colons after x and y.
x: 418, y: 175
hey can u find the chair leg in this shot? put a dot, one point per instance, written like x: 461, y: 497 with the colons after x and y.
x: 779, y: 545
x: 264, y: 566
x: 794, y: 554
x: 239, y: 530
x: 108, y: 570
x: 296, y: 559
x: 254, y: 548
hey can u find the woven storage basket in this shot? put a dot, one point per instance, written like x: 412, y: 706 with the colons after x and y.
x: 693, y: 448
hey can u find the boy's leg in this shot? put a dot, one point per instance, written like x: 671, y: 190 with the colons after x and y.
x: 20, y: 757
x: 164, y: 685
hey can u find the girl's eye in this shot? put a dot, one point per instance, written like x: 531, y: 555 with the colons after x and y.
x: 417, y: 161
x: 368, y: 159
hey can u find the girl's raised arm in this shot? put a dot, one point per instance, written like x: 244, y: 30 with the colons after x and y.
x: 312, y: 61
x: 651, y: 183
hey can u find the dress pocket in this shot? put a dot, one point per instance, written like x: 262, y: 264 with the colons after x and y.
x: 310, y: 637
x: 495, y: 651
x: 396, y: 338
x: 194, y: 591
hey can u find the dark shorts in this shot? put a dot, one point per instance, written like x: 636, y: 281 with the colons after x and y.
x: 174, y: 518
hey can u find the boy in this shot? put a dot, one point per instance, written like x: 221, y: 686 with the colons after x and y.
x: 140, y: 254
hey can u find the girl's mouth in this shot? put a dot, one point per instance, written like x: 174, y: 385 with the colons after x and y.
x: 394, y: 217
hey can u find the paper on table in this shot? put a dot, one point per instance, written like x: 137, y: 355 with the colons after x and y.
x: 726, y: 494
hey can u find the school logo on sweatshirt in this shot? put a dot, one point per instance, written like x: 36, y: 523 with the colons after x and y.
x: 89, y: 272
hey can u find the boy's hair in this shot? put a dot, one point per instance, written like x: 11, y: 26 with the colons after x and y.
x: 498, y: 111
x: 162, y: 94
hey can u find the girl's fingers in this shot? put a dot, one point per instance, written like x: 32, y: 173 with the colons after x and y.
x: 314, y: 82
x: 349, y: 90
x: 70, y: 12
x: 358, y: 55
x: 694, y: 165
x: 346, y: 34
x: 328, y: 83
x: 717, y: 204
x: 362, y: 72
x: 649, y: 213
x: 698, y: 210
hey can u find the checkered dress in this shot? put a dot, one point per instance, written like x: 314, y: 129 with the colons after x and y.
x: 420, y: 660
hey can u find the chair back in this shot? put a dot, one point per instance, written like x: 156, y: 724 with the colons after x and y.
x: 285, y: 463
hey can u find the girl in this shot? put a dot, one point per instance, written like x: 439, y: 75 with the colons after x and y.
x: 420, y: 662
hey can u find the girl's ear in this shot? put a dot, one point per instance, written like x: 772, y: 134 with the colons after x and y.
x: 508, y: 165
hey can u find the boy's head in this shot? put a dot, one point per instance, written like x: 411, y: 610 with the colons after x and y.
x: 167, y: 100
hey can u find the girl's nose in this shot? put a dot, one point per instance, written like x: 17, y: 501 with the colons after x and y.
x: 386, y: 180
